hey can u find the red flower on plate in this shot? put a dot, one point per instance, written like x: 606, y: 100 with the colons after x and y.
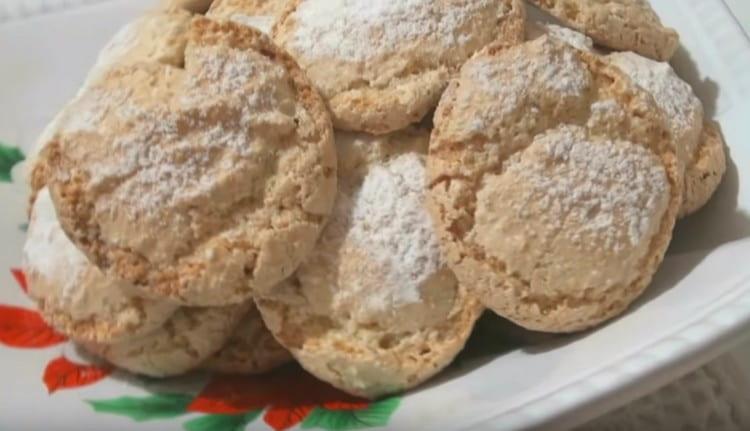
x: 289, y: 394
x: 23, y: 328
x: 64, y: 374
x: 20, y: 277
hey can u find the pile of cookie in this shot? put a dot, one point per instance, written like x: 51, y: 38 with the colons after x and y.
x: 351, y: 183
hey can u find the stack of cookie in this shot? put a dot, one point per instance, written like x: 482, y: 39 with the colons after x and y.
x: 353, y: 190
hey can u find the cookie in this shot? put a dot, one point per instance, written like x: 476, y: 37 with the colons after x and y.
x: 554, y: 183
x: 250, y: 350
x: 187, y: 339
x: 623, y: 25
x: 706, y: 170
x: 374, y: 310
x: 159, y: 37
x: 537, y: 29
x: 75, y: 297
x: 684, y: 113
x: 201, y: 184
x: 382, y: 65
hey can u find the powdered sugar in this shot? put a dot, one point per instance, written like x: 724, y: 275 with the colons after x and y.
x: 49, y: 252
x: 173, y: 153
x: 674, y: 96
x: 507, y: 81
x: 606, y: 191
x: 388, y: 220
x: 357, y: 30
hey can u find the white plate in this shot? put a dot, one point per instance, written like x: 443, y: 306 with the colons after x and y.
x: 696, y: 308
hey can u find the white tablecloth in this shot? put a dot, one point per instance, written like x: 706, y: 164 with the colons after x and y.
x: 715, y: 397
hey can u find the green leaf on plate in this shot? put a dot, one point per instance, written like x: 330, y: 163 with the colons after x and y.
x: 377, y: 415
x: 222, y: 422
x: 158, y: 406
x: 9, y: 157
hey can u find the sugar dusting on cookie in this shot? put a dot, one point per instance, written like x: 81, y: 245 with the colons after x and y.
x: 48, y: 250
x: 609, y: 190
x: 389, y: 222
x: 357, y: 30
x: 674, y: 96
x: 170, y: 156
x: 553, y: 71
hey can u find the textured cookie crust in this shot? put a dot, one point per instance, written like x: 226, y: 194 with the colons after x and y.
x: 185, y: 341
x: 199, y: 184
x: 536, y: 29
x: 624, y: 25
x: 374, y: 310
x: 261, y: 15
x: 251, y: 349
x: 158, y: 37
x: 226, y: 9
x: 382, y: 65
x: 73, y: 295
x: 704, y: 173
x: 683, y: 111
x: 554, y: 184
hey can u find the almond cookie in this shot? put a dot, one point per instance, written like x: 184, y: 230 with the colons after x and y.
x: 684, y: 113
x: 554, y: 182
x: 703, y: 175
x: 75, y: 297
x: 374, y: 310
x: 251, y: 349
x: 382, y: 65
x: 624, y: 25
x: 185, y: 341
x: 159, y: 37
x: 200, y: 184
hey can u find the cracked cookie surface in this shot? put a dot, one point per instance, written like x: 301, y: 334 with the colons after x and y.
x: 554, y: 183
x: 382, y: 65
x: 184, y: 342
x: 700, y: 151
x: 623, y: 25
x: 73, y: 295
x: 374, y: 309
x: 198, y: 184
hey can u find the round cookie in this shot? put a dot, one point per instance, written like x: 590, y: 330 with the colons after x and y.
x: 200, y: 184
x: 75, y: 297
x: 684, y: 113
x: 251, y: 349
x: 623, y: 25
x: 554, y: 183
x: 703, y: 175
x: 382, y: 65
x: 158, y: 36
x: 373, y: 310
x: 185, y: 341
